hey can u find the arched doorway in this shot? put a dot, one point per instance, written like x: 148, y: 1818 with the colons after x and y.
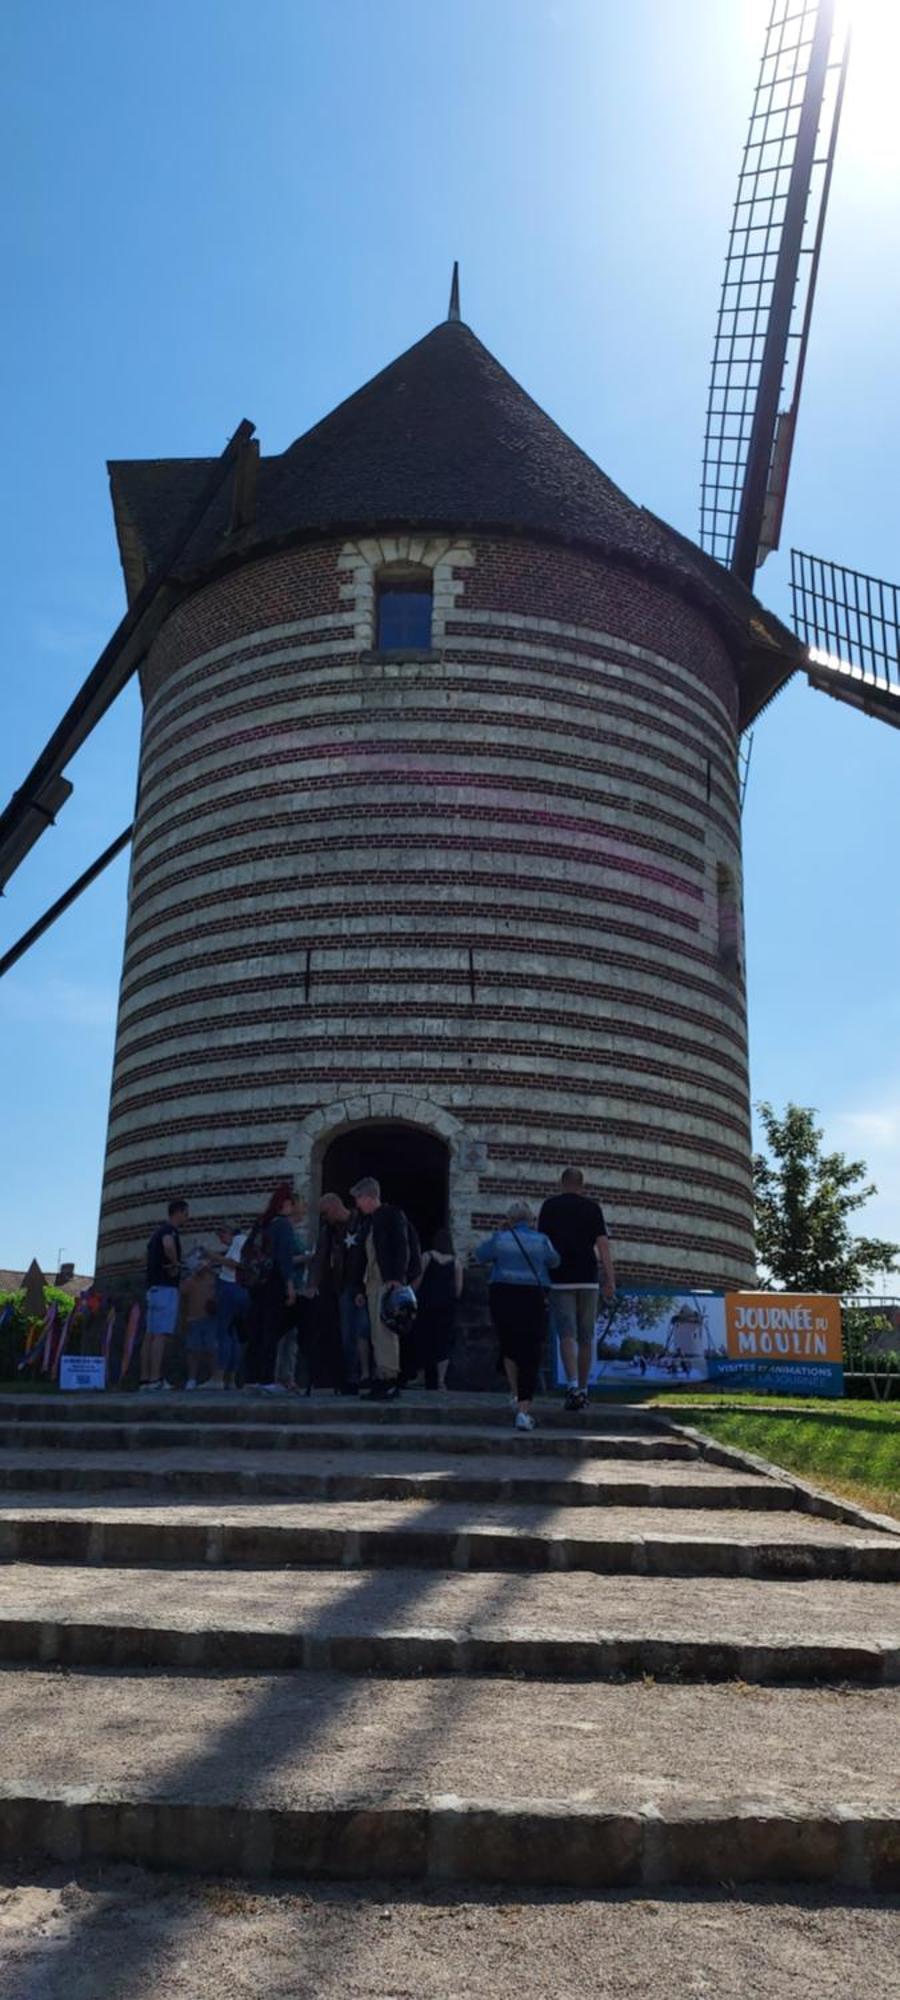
x: 411, y: 1166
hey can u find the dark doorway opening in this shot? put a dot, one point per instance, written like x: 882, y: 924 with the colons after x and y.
x: 412, y: 1167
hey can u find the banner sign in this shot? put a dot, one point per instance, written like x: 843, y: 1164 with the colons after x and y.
x: 768, y: 1341
x: 82, y: 1371
x: 789, y: 1342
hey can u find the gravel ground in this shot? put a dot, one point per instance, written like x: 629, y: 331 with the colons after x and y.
x: 125, y: 1935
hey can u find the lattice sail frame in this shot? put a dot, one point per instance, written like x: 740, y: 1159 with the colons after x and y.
x: 849, y: 621
x: 755, y: 243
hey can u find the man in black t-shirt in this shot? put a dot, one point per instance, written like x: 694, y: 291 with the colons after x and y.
x: 163, y: 1275
x: 576, y: 1228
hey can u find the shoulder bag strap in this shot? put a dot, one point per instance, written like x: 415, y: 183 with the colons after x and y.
x: 532, y: 1267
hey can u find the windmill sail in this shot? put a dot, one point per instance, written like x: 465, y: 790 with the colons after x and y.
x: 33, y: 806
x: 770, y: 275
x: 851, y: 625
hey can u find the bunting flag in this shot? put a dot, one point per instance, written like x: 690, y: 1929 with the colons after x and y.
x: 35, y: 1343
x: 108, y: 1334
x: 131, y: 1333
x: 5, y: 1314
x: 49, y: 1331
x: 63, y: 1337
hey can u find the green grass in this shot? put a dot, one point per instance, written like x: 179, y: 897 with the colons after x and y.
x: 852, y: 1448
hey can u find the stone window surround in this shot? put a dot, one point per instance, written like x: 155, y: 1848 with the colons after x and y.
x: 360, y: 561
x: 310, y: 1139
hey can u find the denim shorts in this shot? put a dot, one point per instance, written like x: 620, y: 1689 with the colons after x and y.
x: 201, y: 1335
x: 162, y: 1309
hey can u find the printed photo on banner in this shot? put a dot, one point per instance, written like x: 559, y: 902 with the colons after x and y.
x: 775, y: 1342
x: 662, y: 1337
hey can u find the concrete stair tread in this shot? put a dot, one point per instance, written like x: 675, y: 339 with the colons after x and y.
x: 414, y: 1518
x: 492, y: 1440
x: 412, y: 1409
x: 520, y: 1463
x: 456, y: 1536
x: 280, y: 1741
x: 283, y: 1476
x: 700, y: 1610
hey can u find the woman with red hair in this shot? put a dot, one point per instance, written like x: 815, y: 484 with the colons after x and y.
x: 270, y: 1252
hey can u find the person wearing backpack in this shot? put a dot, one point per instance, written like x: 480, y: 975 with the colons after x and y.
x: 268, y: 1263
x: 521, y: 1259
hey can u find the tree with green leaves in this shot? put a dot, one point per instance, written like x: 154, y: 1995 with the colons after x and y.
x: 804, y: 1198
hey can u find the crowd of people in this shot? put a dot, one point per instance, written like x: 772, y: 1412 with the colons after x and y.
x: 358, y: 1298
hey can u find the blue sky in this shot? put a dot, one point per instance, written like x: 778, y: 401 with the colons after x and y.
x: 213, y: 211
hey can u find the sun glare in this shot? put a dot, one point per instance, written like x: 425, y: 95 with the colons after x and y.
x: 870, y: 133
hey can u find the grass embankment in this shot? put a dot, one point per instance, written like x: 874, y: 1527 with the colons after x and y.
x: 852, y: 1448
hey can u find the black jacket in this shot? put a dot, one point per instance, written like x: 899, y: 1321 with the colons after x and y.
x: 390, y: 1232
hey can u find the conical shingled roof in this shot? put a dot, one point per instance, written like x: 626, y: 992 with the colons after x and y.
x: 445, y: 434
x: 441, y: 438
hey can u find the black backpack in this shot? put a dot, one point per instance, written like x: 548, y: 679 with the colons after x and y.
x: 256, y: 1260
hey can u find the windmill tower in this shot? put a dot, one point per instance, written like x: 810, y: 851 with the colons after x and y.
x: 436, y: 867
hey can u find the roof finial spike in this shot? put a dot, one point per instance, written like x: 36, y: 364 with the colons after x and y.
x: 454, y: 312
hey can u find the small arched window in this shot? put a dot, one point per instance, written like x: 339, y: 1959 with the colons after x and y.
x: 403, y: 606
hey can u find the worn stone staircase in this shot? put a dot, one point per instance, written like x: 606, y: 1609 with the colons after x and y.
x: 317, y: 1638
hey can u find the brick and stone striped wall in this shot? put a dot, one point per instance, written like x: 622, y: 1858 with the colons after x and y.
x: 492, y: 891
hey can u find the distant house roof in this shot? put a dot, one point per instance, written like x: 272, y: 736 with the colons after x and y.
x: 443, y: 437
x: 12, y: 1281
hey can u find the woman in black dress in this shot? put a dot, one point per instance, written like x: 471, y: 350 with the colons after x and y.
x: 438, y: 1289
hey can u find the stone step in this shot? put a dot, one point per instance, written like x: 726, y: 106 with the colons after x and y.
x: 382, y: 1534
x: 486, y: 1441
x: 519, y: 1476
x: 535, y: 1786
x: 413, y: 1621
x: 414, y: 1408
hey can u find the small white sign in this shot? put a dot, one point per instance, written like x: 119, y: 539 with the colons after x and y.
x: 82, y: 1371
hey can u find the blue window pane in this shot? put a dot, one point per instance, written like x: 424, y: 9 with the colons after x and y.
x: 404, y: 620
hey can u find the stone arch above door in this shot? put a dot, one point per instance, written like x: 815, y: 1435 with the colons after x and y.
x: 310, y: 1138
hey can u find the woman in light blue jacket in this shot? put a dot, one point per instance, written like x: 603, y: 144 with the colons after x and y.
x: 521, y: 1259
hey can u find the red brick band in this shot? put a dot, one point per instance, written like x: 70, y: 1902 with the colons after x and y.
x: 325, y: 883
x: 419, y: 841
x: 419, y: 768
x: 268, y: 993
x: 415, y: 1042
x: 299, y: 671
x: 163, y: 768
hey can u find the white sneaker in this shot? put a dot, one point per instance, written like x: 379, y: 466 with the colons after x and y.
x: 191, y: 1384
x: 274, y: 1388
x: 524, y: 1422
x: 149, y: 1388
